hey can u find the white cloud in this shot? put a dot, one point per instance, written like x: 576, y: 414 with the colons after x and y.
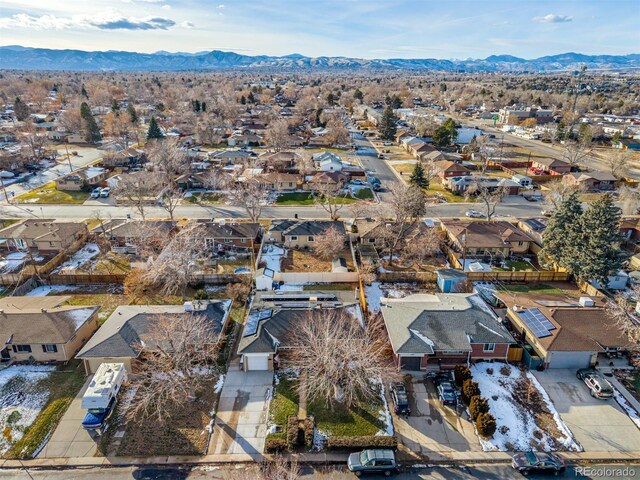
x: 221, y: 6
x: 107, y: 21
x: 166, y: 7
x: 553, y: 18
x: 187, y: 24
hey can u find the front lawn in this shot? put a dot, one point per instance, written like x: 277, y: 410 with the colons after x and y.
x: 295, y: 198
x: 360, y: 420
x: 59, y: 389
x: 533, y: 287
x: 48, y: 193
x: 284, y: 403
x: 205, y: 198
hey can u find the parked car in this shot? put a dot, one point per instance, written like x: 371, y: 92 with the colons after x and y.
x: 374, y: 181
x: 474, y: 214
x: 357, y: 182
x: 547, y: 212
x: 446, y: 392
x: 400, y: 399
x: 96, y: 193
x: 538, y: 462
x: 105, y: 192
x: 530, y: 198
x: 380, y: 156
x: 387, y: 144
x: 373, y: 461
x: 597, y: 384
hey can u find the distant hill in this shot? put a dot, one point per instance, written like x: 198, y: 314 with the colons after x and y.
x: 25, y: 58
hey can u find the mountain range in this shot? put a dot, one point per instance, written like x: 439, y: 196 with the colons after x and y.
x: 26, y: 58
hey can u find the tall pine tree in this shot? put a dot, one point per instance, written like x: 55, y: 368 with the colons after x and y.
x: 154, y: 130
x: 599, y: 256
x: 562, y: 237
x: 133, y: 115
x: 92, y: 131
x: 418, y: 177
x: 387, y: 125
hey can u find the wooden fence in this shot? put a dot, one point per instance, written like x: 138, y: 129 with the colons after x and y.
x: 85, y: 279
x: 426, y: 277
x: 524, y: 277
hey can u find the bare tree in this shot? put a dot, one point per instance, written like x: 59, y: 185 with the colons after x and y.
x: 622, y: 313
x: 185, y: 253
x: 326, y: 196
x: 484, y: 150
x: 329, y: 245
x: 215, y: 180
x: 338, y: 357
x: 37, y: 141
x: 167, y: 157
x: 489, y: 198
x: 252, y: 196
x: 420, y: 247
x: 176, y: 364
x: 618, y: 163
x: 279, y: 468
x: 337, y: 133
x: 575, y: 152
x: 277, y: 135
x: 629, y: 200
x: 138, y: 189
x: 119, y: 127
x: 408, y: 202
x: 170, y: 198
x: 557, y: 192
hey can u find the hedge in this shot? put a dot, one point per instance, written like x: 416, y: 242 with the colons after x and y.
x: 292, y: 432
x: 273, y: 444
x: 371, y: 441
x: 309, y: 427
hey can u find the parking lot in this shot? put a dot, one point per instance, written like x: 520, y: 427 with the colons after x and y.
x: 431, y: 427
x: 598, y: 425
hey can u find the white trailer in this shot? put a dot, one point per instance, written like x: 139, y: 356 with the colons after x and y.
x: 104, y: 386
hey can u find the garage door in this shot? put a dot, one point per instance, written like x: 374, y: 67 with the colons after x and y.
x: 410, y: 363
x: 569, y: 359
x: 258, y: 362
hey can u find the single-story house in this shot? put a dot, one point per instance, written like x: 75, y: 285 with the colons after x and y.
x: 232, y: 157
x: 591, y: 181
x: 334, y: 181
x: 301, y: 233
x: 439, y: 331
x: 534, y: 227
x: 82, y: 179
x: 225, y: 235
x: 244, y: 140
x: 327, y: 162
x: 447, y: 169
x: 273, y: 317
x: 560, y: 330
x: 44, y: 236
x: 279, y: 181
x: 373, y: 232
x: 121, y: 336
x: 132, y: 233
x: 44, y: 328
x: 462, y: 184
x: 497, y: 239
x: 550, y: 166
x: 279, y: 161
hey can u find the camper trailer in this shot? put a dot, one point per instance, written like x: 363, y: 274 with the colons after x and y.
x: 100, y: 397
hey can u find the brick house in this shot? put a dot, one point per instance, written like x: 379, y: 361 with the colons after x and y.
x: 41, y: 236
x: 301, y: 234
x: 549, y: 166
x: 478, y: 239
x: 592, y: 181
x: 224, y: 235
x: 447, y: 169
x: 82, y: 179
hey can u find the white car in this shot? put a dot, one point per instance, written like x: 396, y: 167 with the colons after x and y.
x: 105, y: 192
x: 387, y: 144
x: 96, y: 193
x: 475, y: 214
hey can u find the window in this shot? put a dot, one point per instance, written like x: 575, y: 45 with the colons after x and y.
x: 372, y: 240
x: 51, y: 348
x: 489, y: 347
x: 22, y: 348
x: 209, y: 242
x: 243, y: 240
x: 227, y: 240
x: 310, y: 238
x: 520, y: 244
x: 294, y: 238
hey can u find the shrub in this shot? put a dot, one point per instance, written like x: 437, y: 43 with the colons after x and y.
x: 503, y: 429
x: 274, y: 444
x: 486, y: 425
x: 309, y: 427
x: 201, y: 295
x: 292, y: 433
x: 470, y: 389
x: 478, y: 405
x: 505, y: 370
x: 490, y: 371
x: 461, y: 373
x: 371, y: 441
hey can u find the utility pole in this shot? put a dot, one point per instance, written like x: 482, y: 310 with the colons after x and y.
x: 574, y: 113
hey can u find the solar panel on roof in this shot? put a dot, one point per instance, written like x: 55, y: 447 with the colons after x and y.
x: 533, y: 322
x: 542, y: 318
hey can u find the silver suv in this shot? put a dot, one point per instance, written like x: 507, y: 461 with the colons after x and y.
x: 373, y: 461
x: 598, y: 385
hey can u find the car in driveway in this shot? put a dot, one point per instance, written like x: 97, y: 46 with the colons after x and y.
x: 105, y: 192
x: 373, y: 461
x: 400, y: 399
x: 95, y: 193
x: 446, y: 392
x: 538, y: 462
x: 387, y: 144
x: 474, y: 214
x: 598, y: 386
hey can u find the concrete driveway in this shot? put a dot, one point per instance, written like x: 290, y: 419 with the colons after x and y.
x: 432, y: 427
x: 69, y: 439
x: 241, y: 420
x: 598, y: 425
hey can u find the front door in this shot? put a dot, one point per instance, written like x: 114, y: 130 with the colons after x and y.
x: 5, y: 355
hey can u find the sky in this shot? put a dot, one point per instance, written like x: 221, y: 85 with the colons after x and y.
x: 445, y: 29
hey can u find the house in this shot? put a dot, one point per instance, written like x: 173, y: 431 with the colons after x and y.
x: 232, y: 157
x: 121, y: 337
x: 83, y: 179
x: 522, y: 180
x: 224, y: 235
x: 627, y: 144
x: 327, y: 162
x: 592, y: 181
x: 279, y: 181
x: 333, y: 181
x: 534, y: 227
x: 515, y: 115
x: 495, y: 239
x: 549, y: 166
x: 44, y: 236
x: 430, y: 154
x: 562, y: 330
x: 134, y: 234
x: 461, y: 184
x: 244, y: 140
x: 448, y: 169
x: 373, y: 232
x: 274, y: 316
x: 301, y: 234
x: 439, y: 331
x: 127, y: 158
x: 416, y: 145
x: 44, y: 329
x: 279, y: 161
x: 630, y: 228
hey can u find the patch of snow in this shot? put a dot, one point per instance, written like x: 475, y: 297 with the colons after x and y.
x: 319, y: 439
x: 385, y: 414
x: 373, y: 294
x: 217, y: 388
x: 49, y: 289
x: 422, y: 337
x: 633, y: 415
x: 21, y: 400
x: 291, y: 287
x: 12, y: 262
x: 79, y: 316
x: 356, y: 312
x: 81, y: 257
x: 490, y: 329
x: 273, y: 256
x: 477, y: 301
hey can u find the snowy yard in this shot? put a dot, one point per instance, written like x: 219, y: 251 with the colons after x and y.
x: 525, y: 416
x: 376, y: 291
x: 22, y: 397
x: 12, y: 262
x: 79, y: 259
x: 272, y: 255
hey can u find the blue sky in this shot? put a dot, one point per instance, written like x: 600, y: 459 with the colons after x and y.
x: 354, y: 28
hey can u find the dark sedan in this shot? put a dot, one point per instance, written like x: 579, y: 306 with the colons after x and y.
x: 400, y: 399
x: 538, y: 462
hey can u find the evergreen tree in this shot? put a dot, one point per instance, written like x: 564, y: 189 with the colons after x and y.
x: 243, y: 100
x: 251, y: 98
x: 387, y: 125
x: 115, y: 107
x: 154, y: 130
x: 561, y: 132
x: 331, y: 99
x: 195, y: 104
x: 418, y: 177
x: 133, y: 115
x: 204, y: 106
x: 599, y: 256
x: 319, y: 122
x: 562, y: 237
x: 358, y: 95
x: 21, y: 109
x: 83, y: 92
x: 441, y: 137
x: 92, y: 133
x: 450, y: 125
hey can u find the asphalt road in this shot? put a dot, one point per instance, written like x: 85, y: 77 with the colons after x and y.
x: 489, y: 472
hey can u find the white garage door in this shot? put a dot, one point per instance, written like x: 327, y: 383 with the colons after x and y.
x: 257, y: 362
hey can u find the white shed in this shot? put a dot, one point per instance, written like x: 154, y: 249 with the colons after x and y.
x: 264, y: 279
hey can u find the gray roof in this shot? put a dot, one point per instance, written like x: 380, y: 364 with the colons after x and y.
x: 300, y: 228
x: 127, y: 328
x: 441, y: 322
